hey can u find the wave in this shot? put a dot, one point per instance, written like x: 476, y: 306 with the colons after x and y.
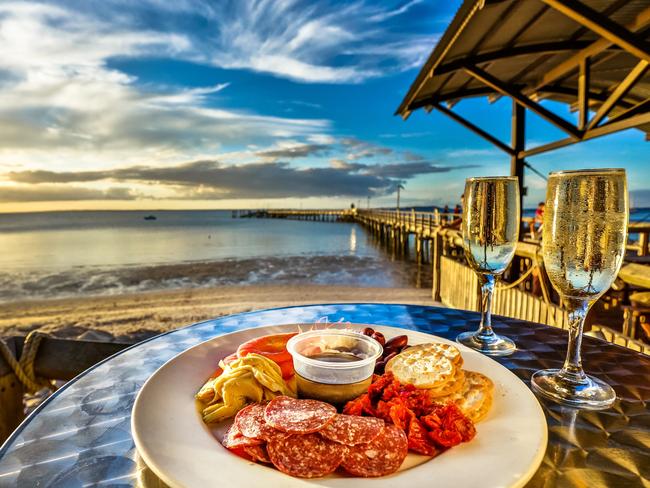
x: 87, y: 281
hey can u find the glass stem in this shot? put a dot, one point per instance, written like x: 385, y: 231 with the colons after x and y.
x: 485, y: 332
x: 572, y: 369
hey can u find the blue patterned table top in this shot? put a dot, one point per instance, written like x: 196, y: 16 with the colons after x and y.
x: 81, y: 435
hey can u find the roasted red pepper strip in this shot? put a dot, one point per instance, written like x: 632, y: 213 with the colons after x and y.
x: 272, y: 346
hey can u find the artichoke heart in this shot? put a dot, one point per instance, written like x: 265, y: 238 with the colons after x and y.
x: 253, y: 378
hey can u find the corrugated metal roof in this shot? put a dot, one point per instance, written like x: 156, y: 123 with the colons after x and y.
x: 520, y: 42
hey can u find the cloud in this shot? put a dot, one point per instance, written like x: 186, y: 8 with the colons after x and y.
x: 313, y: 42
x: 397, y: 171
x: 301, y: 103
x: 406, y: 135
x: 60, y: 96
x: 387, y: 14
x: 295, y: 151
x: 57, y: 193
x: 471, y: 153
x: 302, y: 40
x: 214, y: 180
x: 211, y: 179
x: 362, y: 149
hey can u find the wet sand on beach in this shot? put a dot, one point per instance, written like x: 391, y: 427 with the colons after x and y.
x: 137, y: 316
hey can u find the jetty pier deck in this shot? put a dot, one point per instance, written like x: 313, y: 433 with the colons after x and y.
x: 396, y: 225
x: 315, y: 215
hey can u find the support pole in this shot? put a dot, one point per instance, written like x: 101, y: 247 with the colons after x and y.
x: 435, y: 261
x: 583, y: 94
x: 518, y: 146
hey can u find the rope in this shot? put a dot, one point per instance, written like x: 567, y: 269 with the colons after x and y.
x: 519, y: 281
x: 24, y: 368
x: 522, y: 278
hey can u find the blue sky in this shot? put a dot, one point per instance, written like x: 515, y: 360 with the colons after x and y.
x: 230, y: 104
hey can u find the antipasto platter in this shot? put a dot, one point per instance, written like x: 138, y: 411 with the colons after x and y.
x: 334, y: 406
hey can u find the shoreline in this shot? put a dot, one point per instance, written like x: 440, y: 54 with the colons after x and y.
x: 138, y: 316
x: 367, y: 270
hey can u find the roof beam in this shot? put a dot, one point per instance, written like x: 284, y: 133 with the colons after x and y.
x: 523, y: 100
x: 600, y: 24
x: 623, y: 87
x: 603, y: 130
x: 453, y: 97
x: 594, y: 96
x: 593, y: 49
x: 445, y: 44
x: 508, y: 52
x: 583, y: 94
x: 643, y: 106
x: 474, y: 128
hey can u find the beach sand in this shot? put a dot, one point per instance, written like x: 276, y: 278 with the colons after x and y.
x: 137, y: 316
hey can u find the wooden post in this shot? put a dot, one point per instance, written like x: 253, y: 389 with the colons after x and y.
x: 418, y: 248
x: 11, y: 397
x: 516, y: 161
x: 518, y: 130
x: 435, y: 261
x: 583, y: 94
x: 643, y: 244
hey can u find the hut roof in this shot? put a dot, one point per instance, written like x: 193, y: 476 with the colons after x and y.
x: 591, y: 54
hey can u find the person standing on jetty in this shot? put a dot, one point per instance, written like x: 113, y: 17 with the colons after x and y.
x: 458, y: 214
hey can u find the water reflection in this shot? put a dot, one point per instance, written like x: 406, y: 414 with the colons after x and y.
x: 353, y: 240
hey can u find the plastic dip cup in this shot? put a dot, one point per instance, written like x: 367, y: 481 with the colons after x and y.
x: 334, y: 366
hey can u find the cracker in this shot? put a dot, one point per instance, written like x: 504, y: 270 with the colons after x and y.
x: 424, y: 366
x: 454, y: 384
x: 474, y: 398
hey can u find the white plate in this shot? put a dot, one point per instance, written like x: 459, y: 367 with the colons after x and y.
x: 175, y: 443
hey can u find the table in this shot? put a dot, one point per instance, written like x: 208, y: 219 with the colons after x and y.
x: 81, y: 435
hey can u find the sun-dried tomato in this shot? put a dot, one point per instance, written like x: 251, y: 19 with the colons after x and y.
x: 430, y: 427
x: 418, y: 439
x: 355, y: 407
x: 400, y: 416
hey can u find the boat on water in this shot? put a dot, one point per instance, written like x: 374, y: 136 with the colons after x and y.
x: 151, y: 217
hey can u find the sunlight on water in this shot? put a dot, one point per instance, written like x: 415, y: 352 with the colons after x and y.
x: 353, y: 240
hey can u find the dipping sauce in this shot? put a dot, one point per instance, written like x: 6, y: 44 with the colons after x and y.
x: 331, y: 365
x: 337, y: 395
x: 336, y: 357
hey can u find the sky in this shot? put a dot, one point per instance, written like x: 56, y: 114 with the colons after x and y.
x: 158, y: 104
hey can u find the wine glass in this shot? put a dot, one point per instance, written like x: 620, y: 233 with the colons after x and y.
x: 584, y: 237
x: 490, y: 226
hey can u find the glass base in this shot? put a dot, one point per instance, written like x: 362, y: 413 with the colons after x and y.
x: 591, y: 393
x: 496, y: 346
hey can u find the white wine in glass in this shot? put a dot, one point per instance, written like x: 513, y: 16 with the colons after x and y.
x: 584, y: 237
x: 491, y: 219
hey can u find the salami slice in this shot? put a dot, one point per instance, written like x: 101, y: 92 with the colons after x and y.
x: 352, y: 429
x: 234, y: 439
x: 258, y: 453
x: 305, y: 456
x: 298, y: 416
x: 250, y: 422
x: 381, y: 456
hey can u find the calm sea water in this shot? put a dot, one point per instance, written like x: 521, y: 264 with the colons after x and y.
x: 62, y: 254
x: 58, y: 254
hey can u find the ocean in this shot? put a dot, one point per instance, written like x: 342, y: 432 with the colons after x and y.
x: 71, y: 254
